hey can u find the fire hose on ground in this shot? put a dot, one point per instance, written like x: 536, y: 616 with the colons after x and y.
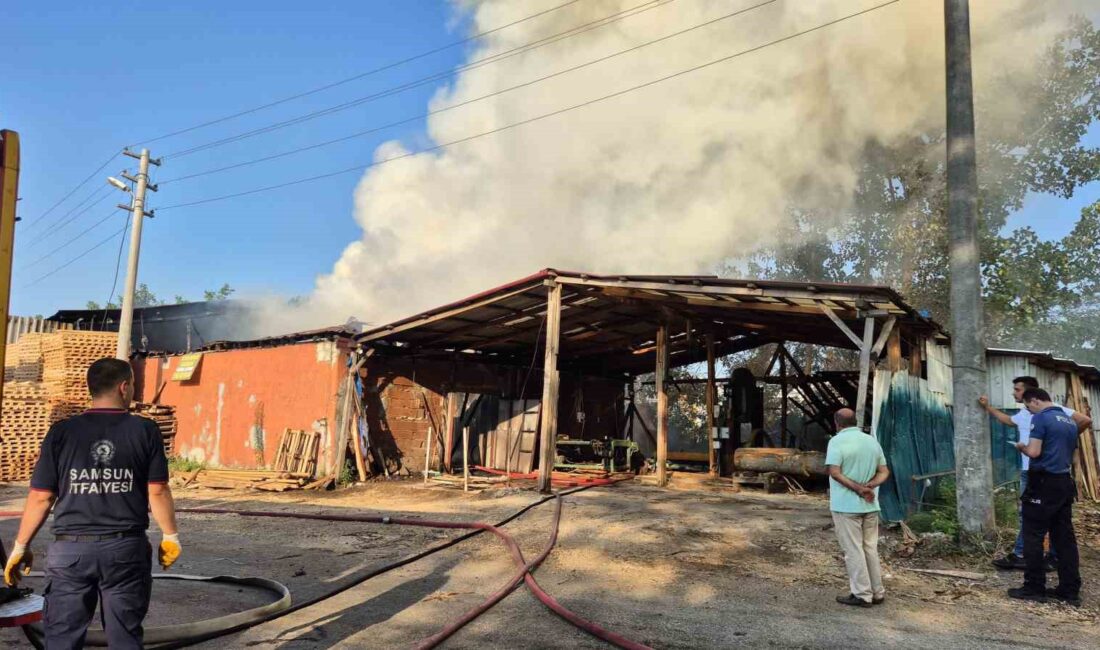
x: 178, y: 636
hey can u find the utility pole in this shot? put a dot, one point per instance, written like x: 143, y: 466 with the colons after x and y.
x: 137, y: 209
x: 973, y: 463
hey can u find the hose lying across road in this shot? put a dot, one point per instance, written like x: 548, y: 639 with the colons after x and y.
x: 203, y: 630
x: 523, y: 573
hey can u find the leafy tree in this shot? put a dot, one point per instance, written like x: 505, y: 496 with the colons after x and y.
x: 221, y: 294
x: 896, y: 230
x: 144, y: 297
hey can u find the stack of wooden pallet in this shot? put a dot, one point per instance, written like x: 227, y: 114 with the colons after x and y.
x: 269, y: 480
x: 66, y: 355
x: 23, y: 359
x: 297, y: 452
x: 25, y: 418
x: 165, y: 417
x: 44, y: 383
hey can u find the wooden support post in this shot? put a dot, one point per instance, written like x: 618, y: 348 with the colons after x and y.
x: 662, y: 406
x: 916, y: 351
x: 864, y: 369
x: 783, y: 399
x: 341, y: 430
x: 449, y: 439
x: 893, y: 351
x: 353, y: 423
x: 712, y: 455
x: 550, y: 380
x: 427, y: 453
x: 466, y: 459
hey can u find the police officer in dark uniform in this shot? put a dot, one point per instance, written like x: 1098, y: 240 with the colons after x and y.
x: 101, y: 472
x: 1047, y: 503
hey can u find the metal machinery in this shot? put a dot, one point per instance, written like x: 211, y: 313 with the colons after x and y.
x: 608, y: 454
x: 741, y: 417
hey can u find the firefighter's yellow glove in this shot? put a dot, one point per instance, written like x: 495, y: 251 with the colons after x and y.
x: 19, y: 564
x: 169, y: 550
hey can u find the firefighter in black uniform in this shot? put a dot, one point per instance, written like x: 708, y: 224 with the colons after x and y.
x: 101, y: 472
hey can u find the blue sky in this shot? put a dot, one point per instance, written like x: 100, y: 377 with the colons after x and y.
x: 81, y: 80
x: 87, y: 79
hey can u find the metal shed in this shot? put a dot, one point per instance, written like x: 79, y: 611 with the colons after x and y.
x: 620, y: 326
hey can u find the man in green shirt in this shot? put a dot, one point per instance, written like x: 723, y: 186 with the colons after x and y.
x: 856, y: 468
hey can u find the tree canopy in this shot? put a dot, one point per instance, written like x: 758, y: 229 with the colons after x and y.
x: 1039, y: 294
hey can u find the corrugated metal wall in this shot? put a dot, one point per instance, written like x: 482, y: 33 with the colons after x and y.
x: 1002, y: 369
x: 20, y: 325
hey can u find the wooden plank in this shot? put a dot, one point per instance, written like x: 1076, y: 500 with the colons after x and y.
x: 712, y: 459
x: 428, y: 319
x: 662, y: 406
x: 915, y: 352
x: 883, y: 336
x: 725, y: 290
x: 893, y: 351
x: 466, y: 459
x: 550, y: 385
x: 449, y: 440
x: 842, y: 326
x: 353, y: 425
x: 341, y: 429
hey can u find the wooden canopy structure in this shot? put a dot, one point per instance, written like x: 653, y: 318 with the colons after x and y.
x: 623, y: 326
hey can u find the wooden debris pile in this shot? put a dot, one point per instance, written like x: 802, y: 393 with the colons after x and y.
x: 294, y: 468
x: 165, y: 417
x: 297, y: 452
x: 1086, y: 465
x: 257, y: 479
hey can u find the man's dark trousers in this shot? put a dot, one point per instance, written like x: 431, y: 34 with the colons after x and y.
x: 1047, y: 506
x: 78, y: 573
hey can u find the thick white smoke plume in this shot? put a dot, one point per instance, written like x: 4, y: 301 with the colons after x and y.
x: 674, y: 178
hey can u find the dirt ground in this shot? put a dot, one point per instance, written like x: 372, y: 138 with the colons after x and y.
x: 680, y: 568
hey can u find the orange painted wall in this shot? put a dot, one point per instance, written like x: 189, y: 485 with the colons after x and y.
x: 240, y: 400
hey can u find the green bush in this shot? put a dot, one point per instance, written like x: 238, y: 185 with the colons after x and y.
x: 348, y: 475
x: 179, y: 464
x: 939, y: 512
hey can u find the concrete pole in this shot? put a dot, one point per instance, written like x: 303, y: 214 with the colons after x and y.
x: 973, y: 463
x: 137, y: 211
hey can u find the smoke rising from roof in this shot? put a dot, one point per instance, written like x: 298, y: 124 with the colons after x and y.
x: 673, y: 178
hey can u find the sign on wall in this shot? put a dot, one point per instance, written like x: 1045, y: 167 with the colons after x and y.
x: 189, y: 363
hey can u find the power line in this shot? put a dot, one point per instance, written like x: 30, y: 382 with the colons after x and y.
x: 467, y: 102
x: 75, y: 259
x: 79, y: 185
x: 361, y: 75
x: 71, y: 241
x: 560, y: 111
x: 434, y: 77
x: 118, y: 265
x: 44, y: 235
x: 100, y: 190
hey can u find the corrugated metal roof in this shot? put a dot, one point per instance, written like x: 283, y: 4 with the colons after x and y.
x: 323, y: 334
x: 609, y: 321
